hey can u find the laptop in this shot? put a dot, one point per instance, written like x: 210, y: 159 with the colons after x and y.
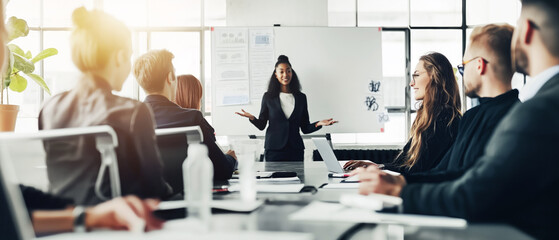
x: 327, y: 154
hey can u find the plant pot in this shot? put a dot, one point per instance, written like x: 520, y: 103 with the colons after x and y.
x: 8, y: 116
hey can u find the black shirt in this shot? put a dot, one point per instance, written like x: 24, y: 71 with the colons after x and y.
x: 438, y: 138
x: 476, y: 126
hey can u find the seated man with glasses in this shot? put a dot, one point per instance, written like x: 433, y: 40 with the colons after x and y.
x: 487, y: 74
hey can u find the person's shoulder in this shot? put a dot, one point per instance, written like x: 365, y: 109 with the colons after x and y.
x: 534, y: 114
x: 448, y: 114
x: 300, y: 95
x: 125, y: 102
x: 189, y: 115
x: 471, y: 112
x: 56, y: 98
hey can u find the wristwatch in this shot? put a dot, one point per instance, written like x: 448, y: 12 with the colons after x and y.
x: 79, y: 219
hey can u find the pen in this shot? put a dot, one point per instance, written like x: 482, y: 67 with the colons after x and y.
x: 338, y: 175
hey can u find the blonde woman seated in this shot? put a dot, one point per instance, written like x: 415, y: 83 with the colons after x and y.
x: 101, y: 47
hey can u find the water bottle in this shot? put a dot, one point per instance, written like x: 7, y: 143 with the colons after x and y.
x: 198, y: 183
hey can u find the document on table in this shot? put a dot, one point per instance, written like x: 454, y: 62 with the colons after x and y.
x: 334, y: 212
x: 341, y: 186
x: 230, y: 205
x: 286, y: 180
x: 272, y: 188
x: 176, y: 230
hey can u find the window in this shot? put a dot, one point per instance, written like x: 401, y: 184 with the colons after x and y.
x: 436, y: 12
x: 446, y: 42
x: 483, y: 12
x: 341, y: 13
x: 178, y: 25
x: 376, y: 13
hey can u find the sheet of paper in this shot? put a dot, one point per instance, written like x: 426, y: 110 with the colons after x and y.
x: 262, y: 60
x: 176, y: 229
x: 285, y: 180
x: 334, y: 212
x: 272, y: 188
x: 341, y: 186
x: 232, y: 93
x: 231, y: 205
x: 231, y: 66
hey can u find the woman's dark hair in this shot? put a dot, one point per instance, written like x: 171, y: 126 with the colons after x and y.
x: 274, y: 87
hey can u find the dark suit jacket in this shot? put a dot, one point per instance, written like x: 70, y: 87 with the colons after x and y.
x: 72, y: 164
x: 283, y: 131
x: 516, y: 179
x: 173, y: 148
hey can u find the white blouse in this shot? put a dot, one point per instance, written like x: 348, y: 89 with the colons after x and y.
x: 287, y: 103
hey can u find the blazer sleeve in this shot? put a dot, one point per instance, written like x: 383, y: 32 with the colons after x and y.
x: 306, y: 126
x: 36, y: 199
x: 223, y: 165
x: 264, y: 116
x: 518, y: 167
x: 142, y: 128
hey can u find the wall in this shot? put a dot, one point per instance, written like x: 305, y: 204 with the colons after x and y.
x: 270, y: 12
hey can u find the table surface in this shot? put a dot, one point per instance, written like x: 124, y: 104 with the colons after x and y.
x: 273, y: 215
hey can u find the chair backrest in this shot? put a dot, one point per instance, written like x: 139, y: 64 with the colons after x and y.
x: 173, y: 144
x: 193, y: 133
x: 105, y: 140
x: 14, y: 220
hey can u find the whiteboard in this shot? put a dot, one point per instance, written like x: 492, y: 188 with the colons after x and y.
x: 335, y: 67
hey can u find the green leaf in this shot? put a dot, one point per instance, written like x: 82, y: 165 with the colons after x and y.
x: 18, y: 83
x: 23, y: 64
x: 39, y: 80
x: 16, y: 28
x: 16, y: 49
x: 44, y: 54
x: 28, y: 55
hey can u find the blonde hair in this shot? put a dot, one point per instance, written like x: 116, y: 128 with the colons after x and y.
x: 95, y: 38
x: 496, y: 39
x: 151, y: 69
x: 189, y: 92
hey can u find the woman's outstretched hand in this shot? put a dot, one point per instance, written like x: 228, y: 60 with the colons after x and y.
x: 246, y: 114
x: 326, y: 122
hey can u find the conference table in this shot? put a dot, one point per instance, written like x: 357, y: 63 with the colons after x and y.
x: 273, y: 215
x: 271, y: 220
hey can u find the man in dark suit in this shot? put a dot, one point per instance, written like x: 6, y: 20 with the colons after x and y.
x: 154, y: 71
x: 515, y: 181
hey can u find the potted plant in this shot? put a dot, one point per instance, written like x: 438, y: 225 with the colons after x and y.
x: 20, y: 66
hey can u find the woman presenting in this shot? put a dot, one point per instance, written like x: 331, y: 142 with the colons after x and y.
x: 285, y: 106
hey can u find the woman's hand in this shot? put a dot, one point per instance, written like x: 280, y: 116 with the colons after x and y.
x: 354, y: 164
x: 246, y: 114
x: 326, y: 122
x: 130, y: 213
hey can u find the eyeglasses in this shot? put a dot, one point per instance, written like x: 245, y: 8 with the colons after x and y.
x: 461, y: 66
x: 415, y: 75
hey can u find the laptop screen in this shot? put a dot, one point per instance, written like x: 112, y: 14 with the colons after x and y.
x: 328, y: 155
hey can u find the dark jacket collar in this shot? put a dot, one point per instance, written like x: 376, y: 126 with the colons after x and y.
x: 157, y: 98
x: 509, y: 94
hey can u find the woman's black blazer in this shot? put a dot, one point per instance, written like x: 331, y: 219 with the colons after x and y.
x: 282, y: 131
